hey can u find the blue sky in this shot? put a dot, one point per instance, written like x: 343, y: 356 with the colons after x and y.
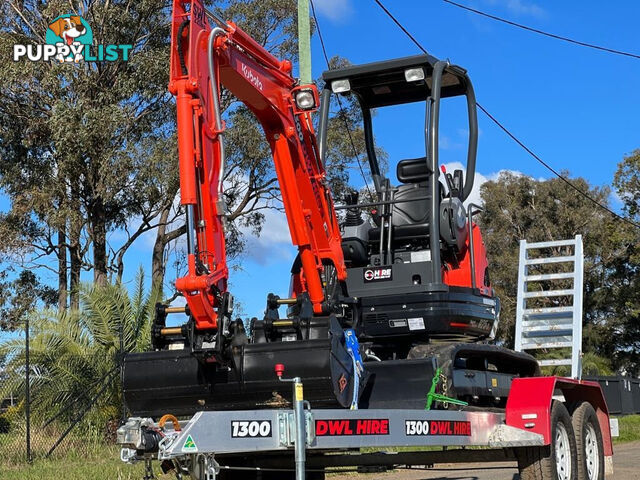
x: 575, y: 107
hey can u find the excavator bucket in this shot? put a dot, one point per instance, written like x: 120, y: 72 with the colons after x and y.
x: 178, y: 382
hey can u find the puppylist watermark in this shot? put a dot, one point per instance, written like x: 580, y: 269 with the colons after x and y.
x: 69, y: 39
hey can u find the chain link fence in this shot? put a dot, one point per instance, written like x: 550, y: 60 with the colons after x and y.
x: 78, y: 427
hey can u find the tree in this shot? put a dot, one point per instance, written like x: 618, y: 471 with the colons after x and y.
x: 87, y: 150
x: 75, y: 354
x: 627, y: 331
x: 627, y: 183
x: 21, y: 296
x: 519, y: 207
x: 74, y: 137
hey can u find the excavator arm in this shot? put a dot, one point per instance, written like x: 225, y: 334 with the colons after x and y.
x: 207, y: 53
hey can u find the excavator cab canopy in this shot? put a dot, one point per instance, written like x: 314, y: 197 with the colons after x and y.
x: 420, y: 78
x: 394, y: 82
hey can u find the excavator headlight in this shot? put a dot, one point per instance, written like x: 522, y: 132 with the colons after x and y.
x: 305, y: 100
x: 340, y: 86
x: 414, y: 74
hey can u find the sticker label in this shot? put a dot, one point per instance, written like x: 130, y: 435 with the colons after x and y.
x: 421, y: 256
x: 250, y: 428
x: 377, y: 274
x: 445, y: 428
x: 397, y: 323
x: 346, y: 427
x: 416, y: 323
x: 189, y: 445
x: 299, y: 392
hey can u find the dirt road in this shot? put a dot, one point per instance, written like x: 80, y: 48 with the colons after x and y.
x: 626, y: 466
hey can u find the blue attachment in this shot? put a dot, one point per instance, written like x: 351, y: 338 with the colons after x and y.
x: 353, y: 347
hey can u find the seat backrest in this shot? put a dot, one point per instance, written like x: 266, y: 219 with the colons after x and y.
x: 409, y: 210
x: 413, y: 170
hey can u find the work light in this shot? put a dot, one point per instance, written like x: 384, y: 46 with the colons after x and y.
x: 414, y: 74
x: 305, y: 99
x: 340, y: 86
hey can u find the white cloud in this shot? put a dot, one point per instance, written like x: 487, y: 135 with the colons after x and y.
x: 464, y: 133
x: 335, y: 10
x: 274, y: 241
x: 616, y: 200
x: 446, y: 143
x: 479, y: 180
x: 520, y: 8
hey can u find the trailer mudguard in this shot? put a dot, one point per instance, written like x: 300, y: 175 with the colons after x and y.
x: 529, y: 404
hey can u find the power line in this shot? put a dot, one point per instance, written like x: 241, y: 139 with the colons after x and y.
x: 343, y: 114
x: 397, y: 22
x: 512, y: 136
x: 542, y: 32
x: 552, y: 170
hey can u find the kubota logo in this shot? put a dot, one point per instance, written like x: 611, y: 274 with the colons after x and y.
x: 69, y: 38
x: 252, y: 77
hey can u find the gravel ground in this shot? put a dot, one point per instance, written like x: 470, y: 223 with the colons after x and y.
x: 626, y: 466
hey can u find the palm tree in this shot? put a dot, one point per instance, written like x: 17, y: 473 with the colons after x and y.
x: 75, y: 355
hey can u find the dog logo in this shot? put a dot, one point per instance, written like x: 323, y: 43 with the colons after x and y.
x: 69, y: 39
x: 72, y: 31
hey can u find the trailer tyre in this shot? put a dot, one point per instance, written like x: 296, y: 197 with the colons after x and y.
x: 589, y: 444
x: 557, y: 461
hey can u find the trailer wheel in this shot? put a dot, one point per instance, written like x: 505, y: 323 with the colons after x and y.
x: 557, y: 461
x: 589, y: 444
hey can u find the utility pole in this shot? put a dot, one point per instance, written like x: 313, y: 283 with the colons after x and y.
x: 304, y: 42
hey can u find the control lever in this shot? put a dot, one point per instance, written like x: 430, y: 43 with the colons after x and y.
x: 452, y: 193
x: 458, y: 184
x: 449, y: 180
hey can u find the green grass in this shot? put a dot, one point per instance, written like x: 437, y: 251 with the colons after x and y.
x: 629, y: 426
x: 103, y: 465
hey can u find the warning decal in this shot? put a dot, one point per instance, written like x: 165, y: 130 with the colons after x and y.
x: 369, y: 426
x: 438, y: 427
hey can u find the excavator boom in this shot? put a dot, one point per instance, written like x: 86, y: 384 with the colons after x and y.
x: 207, y: 53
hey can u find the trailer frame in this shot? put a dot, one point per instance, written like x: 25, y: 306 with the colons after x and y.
x: 265, y: 438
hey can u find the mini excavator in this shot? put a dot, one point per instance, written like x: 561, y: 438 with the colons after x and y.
x: 396, y: 293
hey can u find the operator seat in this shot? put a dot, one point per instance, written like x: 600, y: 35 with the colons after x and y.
x: 410, y: 216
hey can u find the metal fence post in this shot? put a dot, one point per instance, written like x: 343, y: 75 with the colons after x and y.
x: 123, y: 417
x: 27, y: 387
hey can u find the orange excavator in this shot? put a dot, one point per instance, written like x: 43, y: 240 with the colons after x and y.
x: 379, y: 303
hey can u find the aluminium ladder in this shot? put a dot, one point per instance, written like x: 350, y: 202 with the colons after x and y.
x: 559, y: 323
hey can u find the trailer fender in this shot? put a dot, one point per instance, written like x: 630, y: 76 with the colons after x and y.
x: 529, y: 405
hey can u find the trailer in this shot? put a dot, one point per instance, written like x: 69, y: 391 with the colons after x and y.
x: 555, y: 428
